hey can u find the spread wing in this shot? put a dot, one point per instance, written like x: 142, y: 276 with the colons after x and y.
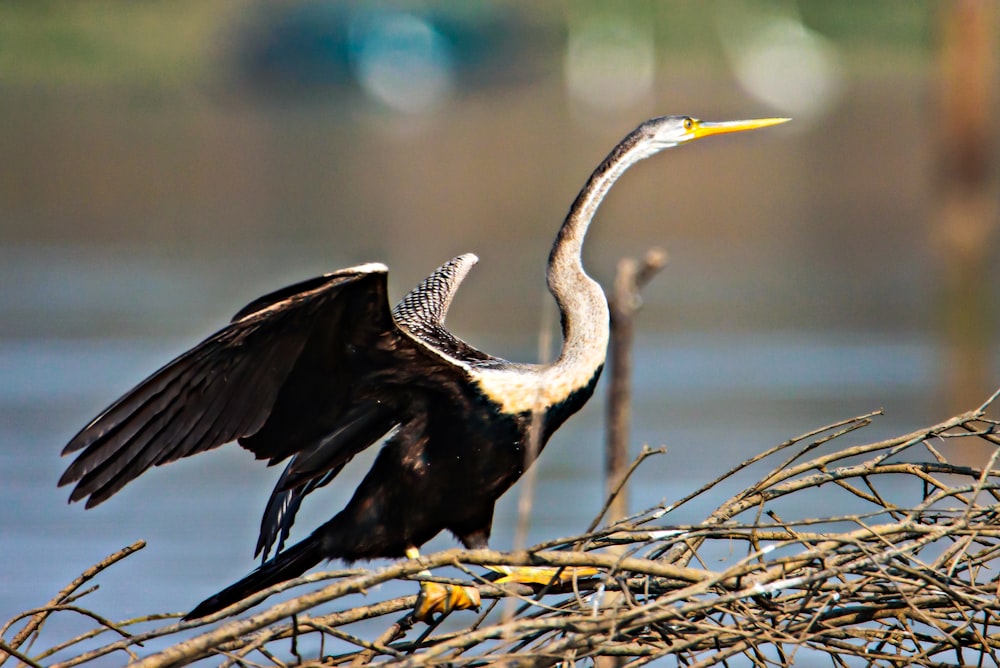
x: 285, y: 376
x: 421, y: 314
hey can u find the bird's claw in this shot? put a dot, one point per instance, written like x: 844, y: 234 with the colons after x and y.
x: 435, y: 597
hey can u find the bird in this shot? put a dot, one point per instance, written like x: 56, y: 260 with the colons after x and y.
x: 318, y: 371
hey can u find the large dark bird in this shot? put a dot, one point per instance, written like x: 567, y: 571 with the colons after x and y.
x: 319, y: 371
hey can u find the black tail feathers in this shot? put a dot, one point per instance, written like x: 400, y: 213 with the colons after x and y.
x: 286, y: 565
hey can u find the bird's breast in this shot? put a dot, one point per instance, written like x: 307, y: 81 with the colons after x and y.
x: 535, y: 389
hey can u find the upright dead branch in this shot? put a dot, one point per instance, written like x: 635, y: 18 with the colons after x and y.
x: 624, y: 303
x: 968, y: 217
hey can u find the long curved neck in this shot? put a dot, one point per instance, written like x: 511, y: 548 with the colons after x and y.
x: 583, y: 308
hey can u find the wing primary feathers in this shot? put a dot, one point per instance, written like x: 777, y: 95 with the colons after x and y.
x: 213, y: 423
x: 162, y: 428
x: 108, y: 444
x: 205, y: 397
x: 121, y: 412
x: 129, y: 457
x: 239, y: 410
x: 109, y: 476
x: 226, y: 387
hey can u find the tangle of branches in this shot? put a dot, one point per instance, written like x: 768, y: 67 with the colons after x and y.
x: 905, y: 574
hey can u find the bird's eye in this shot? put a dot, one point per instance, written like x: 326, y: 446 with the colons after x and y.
x: 688, y: 124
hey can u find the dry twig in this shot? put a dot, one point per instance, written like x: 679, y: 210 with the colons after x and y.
x: 906, y: 577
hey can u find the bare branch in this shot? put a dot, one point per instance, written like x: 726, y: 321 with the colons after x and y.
x: 907, y: 578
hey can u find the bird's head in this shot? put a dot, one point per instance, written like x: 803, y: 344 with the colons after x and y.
x: 664, y: 132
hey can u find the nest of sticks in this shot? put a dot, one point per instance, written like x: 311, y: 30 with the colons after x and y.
x: 907, y: 577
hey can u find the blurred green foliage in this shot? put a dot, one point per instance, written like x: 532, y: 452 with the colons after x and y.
x: 182, y: 42
x: 890, y: 25
x: 156, y: 42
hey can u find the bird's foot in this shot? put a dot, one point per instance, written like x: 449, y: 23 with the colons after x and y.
x: 542, y: 575
x: 436, y: 597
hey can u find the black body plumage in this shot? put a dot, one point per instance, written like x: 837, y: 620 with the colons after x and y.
x: 316, y: 372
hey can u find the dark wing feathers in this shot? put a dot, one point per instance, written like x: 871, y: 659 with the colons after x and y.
x: 324, y: 388
x: 161, y: 395
x: 223, y: 389
x: 198, y: 402
x: 293, y: 374
x: 364, y: 424
x: 318, y: 464
x: 272, y: 298
x: 283, y: 504
x: 279, y: 515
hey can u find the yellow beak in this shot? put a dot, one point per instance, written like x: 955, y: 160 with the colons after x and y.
x: 707, y: 128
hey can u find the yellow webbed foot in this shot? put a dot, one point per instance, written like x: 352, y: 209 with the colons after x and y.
x: 542, y: 575
x: 435, y: 597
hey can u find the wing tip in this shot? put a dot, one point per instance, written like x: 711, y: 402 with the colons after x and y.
x: 76, y: 495
x: 366, y: 268
x: 84, y: 438
x: 71, y: 447
x: 74, y: 472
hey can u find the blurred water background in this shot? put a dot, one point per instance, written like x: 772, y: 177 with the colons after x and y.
x: 164, y: 163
